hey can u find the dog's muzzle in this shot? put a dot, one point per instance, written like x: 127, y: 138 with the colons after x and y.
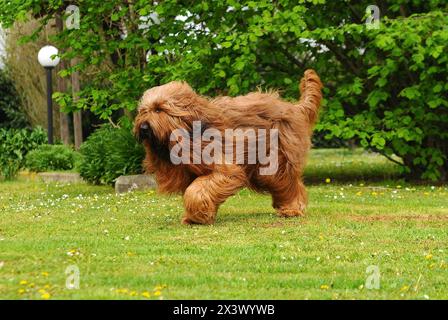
x: 159, y: 149
x: 144, y: 132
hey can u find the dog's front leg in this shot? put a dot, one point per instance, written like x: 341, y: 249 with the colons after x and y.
x: 204, y: 195
x: 292, y: 201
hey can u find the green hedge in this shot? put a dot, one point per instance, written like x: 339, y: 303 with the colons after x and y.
x: 52, y: 158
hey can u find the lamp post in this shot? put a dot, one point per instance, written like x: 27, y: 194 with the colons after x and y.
x: 48, y: 59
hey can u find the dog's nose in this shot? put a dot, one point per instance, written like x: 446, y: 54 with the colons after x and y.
x: 144, y: 126
x: 144, y: 132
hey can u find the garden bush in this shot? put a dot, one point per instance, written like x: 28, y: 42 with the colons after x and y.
x: 14, y: 145
x: 51, y: 158
x: 10, y: 114
x: 392, y: 96
x: 108, y: 153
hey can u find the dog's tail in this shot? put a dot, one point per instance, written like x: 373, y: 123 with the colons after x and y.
x: 310, y: 95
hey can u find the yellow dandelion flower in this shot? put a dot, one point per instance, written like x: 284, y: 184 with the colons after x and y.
x: 157, y: 293
x: 23, y: 282
x: 133, y: 293
x: 21, y: 291
x: 428, y: 256
x: 45, y: 274
x: 358, y: 193
x: 374, y: 193
x: 45, y: 296
x: 328, y: 180
x: 121, y: 290
x: 146, y: 294
x: 324, y: 287
x: 404, y: 288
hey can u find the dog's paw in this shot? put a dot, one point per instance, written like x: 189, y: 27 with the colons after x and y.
x: 197, y: 220
x: 288, y: 213
x: 187, y: 221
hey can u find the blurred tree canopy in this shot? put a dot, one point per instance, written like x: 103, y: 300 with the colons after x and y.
x: 385, y: 88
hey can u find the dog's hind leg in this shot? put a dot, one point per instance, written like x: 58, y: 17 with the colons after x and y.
x: 204, y: 195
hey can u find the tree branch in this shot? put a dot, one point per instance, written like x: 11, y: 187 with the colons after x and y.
x: 389, y: 157
x: 357, y: 16
x: 345, y: 61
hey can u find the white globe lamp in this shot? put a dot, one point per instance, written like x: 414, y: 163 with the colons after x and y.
x: 48, y: 57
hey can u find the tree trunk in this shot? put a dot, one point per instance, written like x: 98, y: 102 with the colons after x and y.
x: 77, y: 116
x: 61, y: 85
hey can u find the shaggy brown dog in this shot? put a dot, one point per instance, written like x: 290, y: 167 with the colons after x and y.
x: 205, y: 186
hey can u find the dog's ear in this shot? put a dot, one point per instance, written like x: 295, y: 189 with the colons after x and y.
x: 178, y: 94
x: 187, y: 101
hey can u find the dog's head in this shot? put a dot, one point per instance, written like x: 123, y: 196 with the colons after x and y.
x: 164, y: 109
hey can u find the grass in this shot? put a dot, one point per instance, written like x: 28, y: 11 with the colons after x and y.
x: 132, y: 246
x: 344, y: 165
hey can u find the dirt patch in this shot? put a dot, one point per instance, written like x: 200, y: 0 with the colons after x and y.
x: 277, y: 224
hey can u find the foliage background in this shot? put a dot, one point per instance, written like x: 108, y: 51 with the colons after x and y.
x: 385, y: 88
x: 14, y: 145
x: 109, y: 153
x: 54, y: 157
x: 11, y: 115
x: 27, y: 75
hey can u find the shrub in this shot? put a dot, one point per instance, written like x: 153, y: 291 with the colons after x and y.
x: 51, y: 157
x: 14, y: 145
x: 10, y: 114
x: 108, y: 153
x: 392, y: 98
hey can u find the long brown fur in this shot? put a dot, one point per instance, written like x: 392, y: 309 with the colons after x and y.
x: 205, y: 186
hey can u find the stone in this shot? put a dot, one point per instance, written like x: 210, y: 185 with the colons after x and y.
x: 134, y: 182
x: 64, y: 177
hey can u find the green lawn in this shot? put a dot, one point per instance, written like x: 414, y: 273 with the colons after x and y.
x: 133, y: 246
